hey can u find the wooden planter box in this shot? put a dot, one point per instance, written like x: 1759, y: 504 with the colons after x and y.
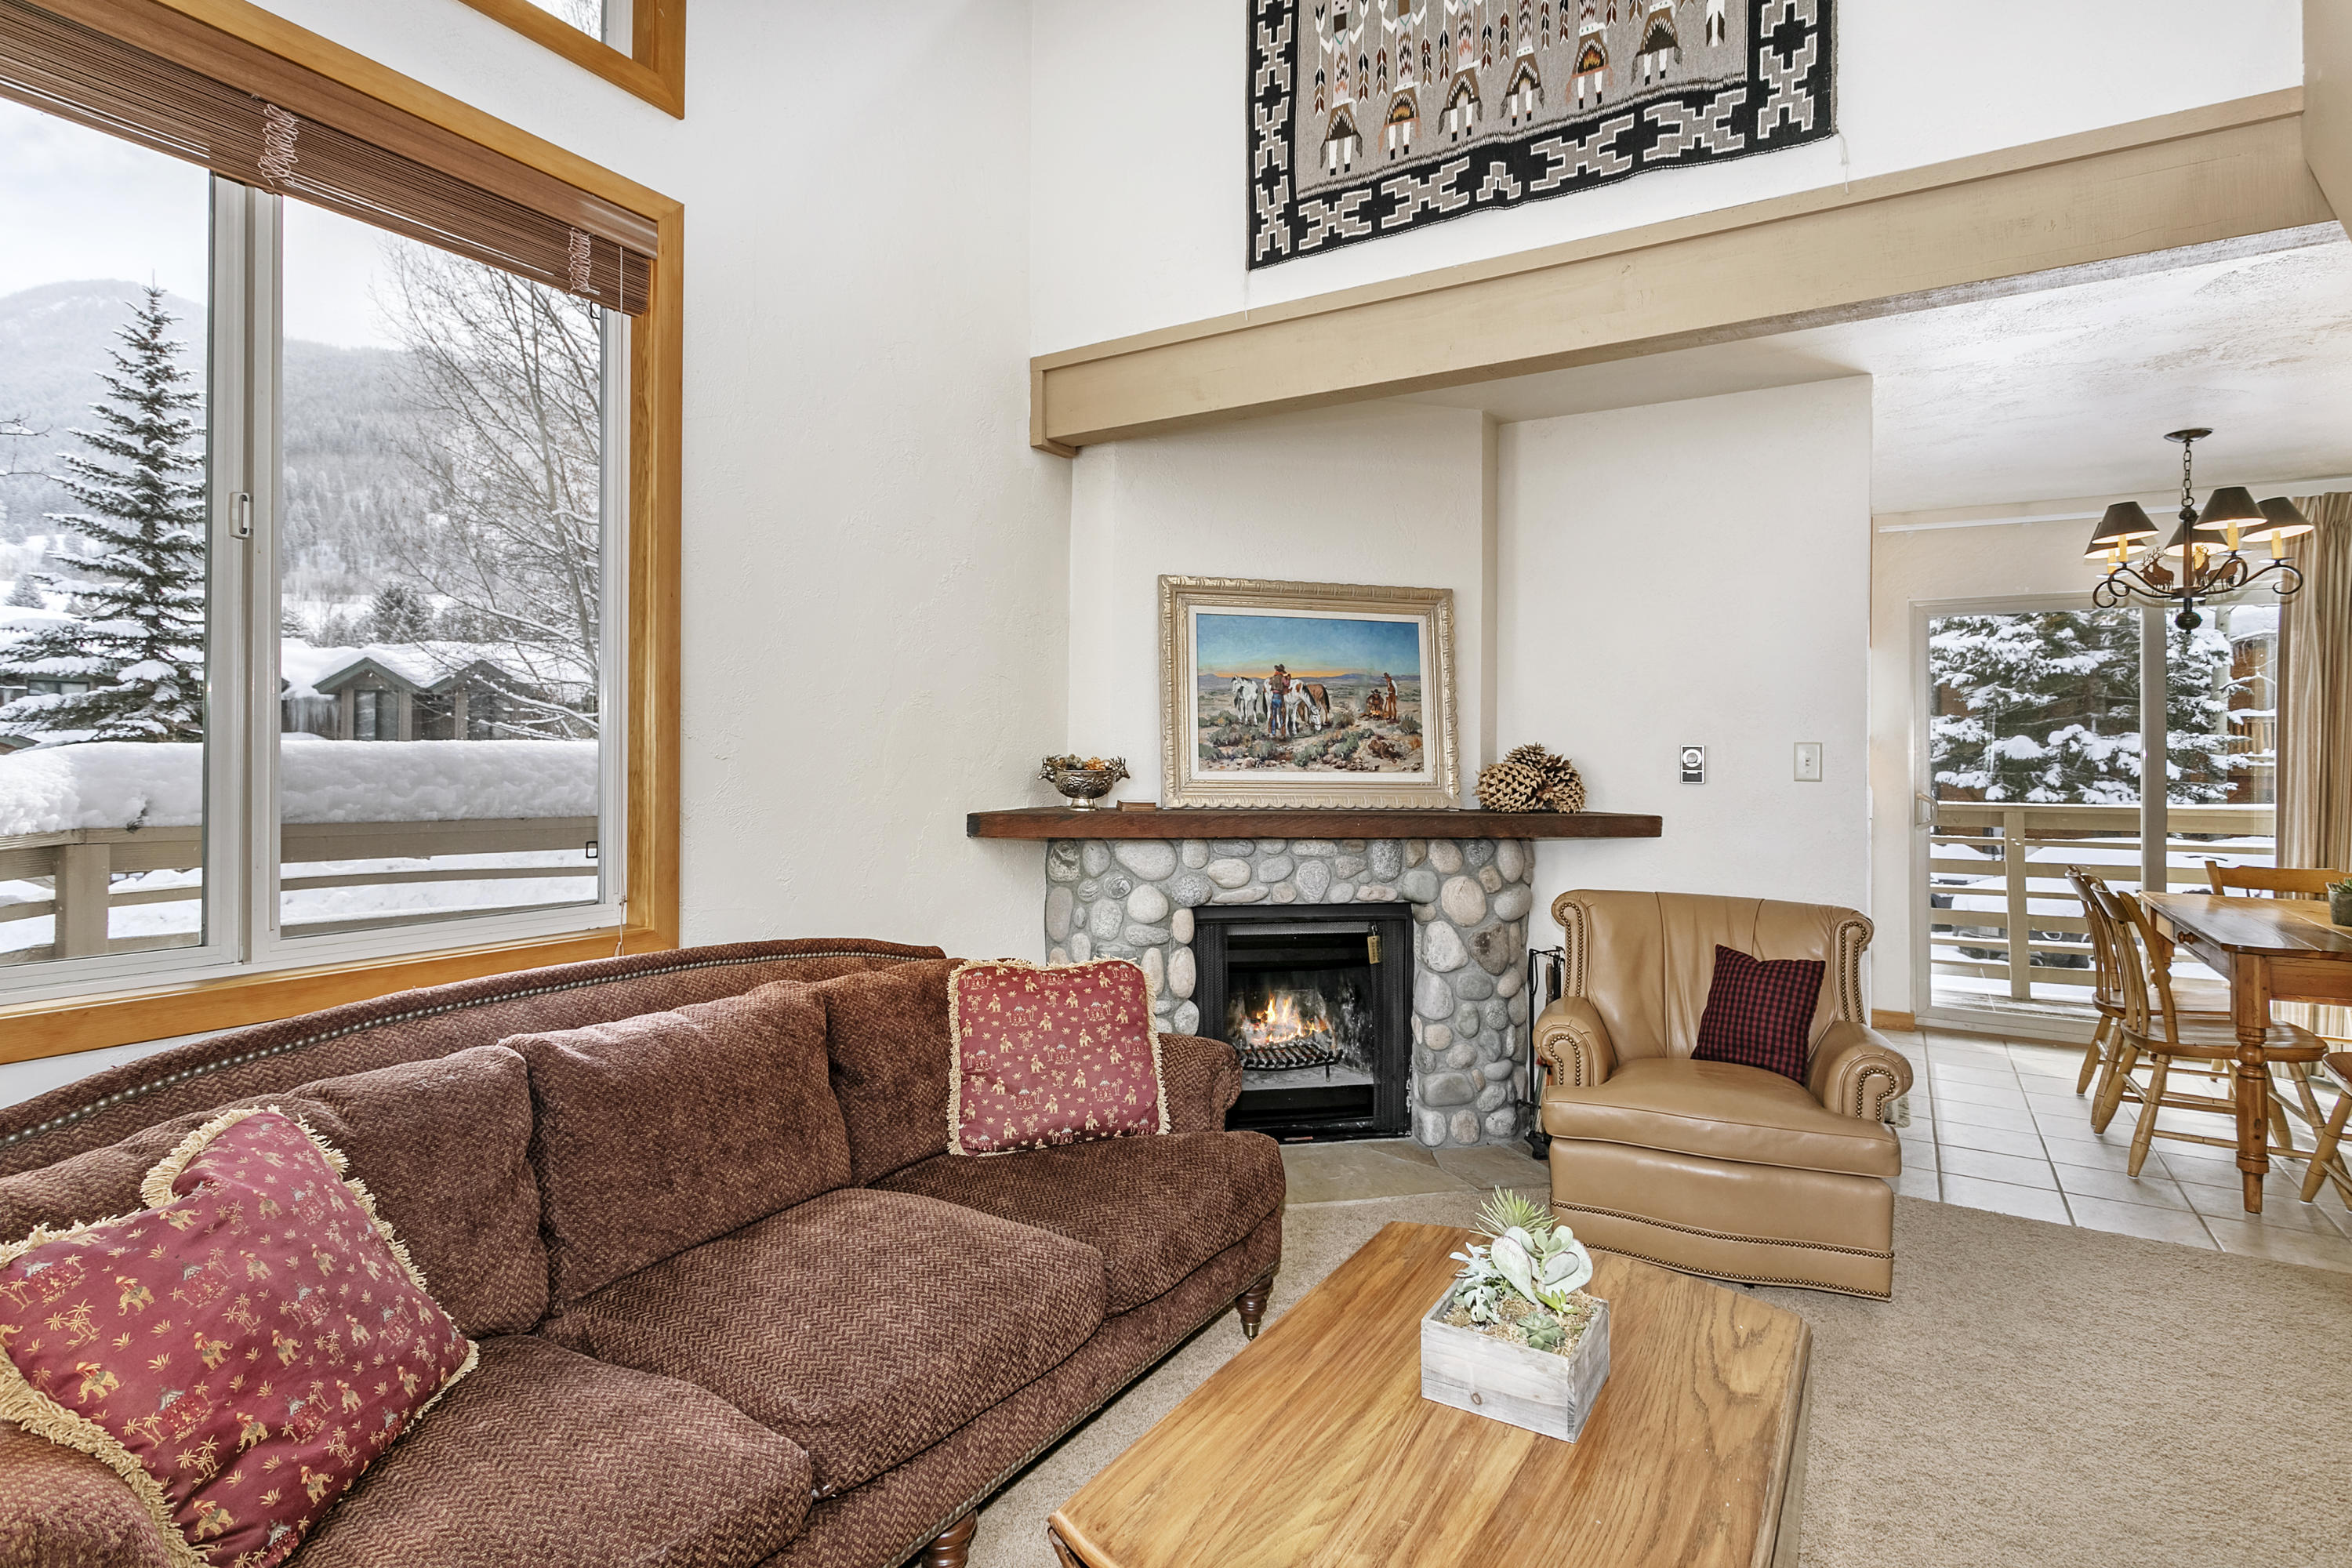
x: 1535, y: 1389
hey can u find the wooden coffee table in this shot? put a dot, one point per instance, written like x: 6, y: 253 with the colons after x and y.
x: 1314, y: 1445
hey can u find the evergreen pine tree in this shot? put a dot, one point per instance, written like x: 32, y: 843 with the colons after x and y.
x: 2044, y: 708
x: 398, y: 614
x: 138, y: 641
x: 26, y: 593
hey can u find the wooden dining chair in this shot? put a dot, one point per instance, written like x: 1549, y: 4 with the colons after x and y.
x: 2154, y: 1028
x: 2275, y: 882
x: 2327, y: 1159
x: 2200, y: 1000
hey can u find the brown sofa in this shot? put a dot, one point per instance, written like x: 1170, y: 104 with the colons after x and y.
x: 1709, y: 1167
x: 735, y: 1304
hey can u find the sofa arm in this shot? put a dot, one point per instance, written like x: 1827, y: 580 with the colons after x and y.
x: 1857, y: 1073
x: 1574, y: 1042
x: 64, y: 1510
x: 1201, y: 1078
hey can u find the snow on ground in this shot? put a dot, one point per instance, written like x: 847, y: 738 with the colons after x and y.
x: 117, y: 784
x: 311, y: 906
x: 432, y: 781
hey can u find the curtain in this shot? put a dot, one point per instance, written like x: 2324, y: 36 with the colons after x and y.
x: 2314, y: 766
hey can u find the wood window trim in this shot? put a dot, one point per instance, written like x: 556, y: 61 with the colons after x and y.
x: 61, y: 1027
x: 655, y: 67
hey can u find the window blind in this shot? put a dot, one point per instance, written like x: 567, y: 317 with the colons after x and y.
x: 250, y: 116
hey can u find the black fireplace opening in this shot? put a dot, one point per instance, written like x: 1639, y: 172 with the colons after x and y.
x: 1318, y: 998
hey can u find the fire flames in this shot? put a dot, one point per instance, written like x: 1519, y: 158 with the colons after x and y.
x: 1280, y: 1023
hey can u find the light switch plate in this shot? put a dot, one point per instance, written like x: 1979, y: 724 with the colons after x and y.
x: 1693, y: 761
x: 1809, y: 761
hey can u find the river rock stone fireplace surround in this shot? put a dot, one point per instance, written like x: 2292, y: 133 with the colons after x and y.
x: 1468, y: 901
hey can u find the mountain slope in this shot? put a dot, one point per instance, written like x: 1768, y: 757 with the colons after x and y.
x: 346, y: 418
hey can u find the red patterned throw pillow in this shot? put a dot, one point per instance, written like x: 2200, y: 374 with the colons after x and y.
x: 1041, y: 1056
x: 1759, y: 1013
x: 239, y: 1351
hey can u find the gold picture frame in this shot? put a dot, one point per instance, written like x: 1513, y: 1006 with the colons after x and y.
x: 1330, y: 719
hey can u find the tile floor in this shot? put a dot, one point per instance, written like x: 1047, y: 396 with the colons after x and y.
x: 1995, y: 1125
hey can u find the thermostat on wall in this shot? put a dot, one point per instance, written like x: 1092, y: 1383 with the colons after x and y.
x: 1694, y: 765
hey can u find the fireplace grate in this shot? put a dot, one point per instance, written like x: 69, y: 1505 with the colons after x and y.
x: 1283, y: 1055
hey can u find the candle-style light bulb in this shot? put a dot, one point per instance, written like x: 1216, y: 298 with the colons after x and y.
x: 2278, y: 545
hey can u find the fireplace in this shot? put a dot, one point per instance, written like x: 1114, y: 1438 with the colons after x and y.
x: 1318, y: 998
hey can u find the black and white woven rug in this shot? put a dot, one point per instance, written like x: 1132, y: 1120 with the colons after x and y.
x: 1373, y: 117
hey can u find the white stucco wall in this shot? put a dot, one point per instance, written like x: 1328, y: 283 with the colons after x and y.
x: 1139, y: 138
x: 873, y: 587
x: 1695, y: 572
x: 1385, y: 494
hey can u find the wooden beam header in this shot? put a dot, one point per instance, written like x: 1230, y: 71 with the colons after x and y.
x: 1877, y: 246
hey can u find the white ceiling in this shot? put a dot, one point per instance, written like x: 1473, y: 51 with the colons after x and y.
x: 2063, y: 392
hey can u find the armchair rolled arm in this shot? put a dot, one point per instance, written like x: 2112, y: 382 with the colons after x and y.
x: 1857, y: 1073
x: 1201, y: 1078
x: 1574, y: 1042
x: 64, y: 1510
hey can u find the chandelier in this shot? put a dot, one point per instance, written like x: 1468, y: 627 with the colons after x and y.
x: 2201, y: 561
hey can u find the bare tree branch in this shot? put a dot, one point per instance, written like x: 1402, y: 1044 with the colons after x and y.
x: 506, y: 380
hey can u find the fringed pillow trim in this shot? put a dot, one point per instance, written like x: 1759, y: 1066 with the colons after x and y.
x: 955, y: 1055
x: 44, y: 1417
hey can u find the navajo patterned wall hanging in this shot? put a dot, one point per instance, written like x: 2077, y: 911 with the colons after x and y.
x: 1373, y: 117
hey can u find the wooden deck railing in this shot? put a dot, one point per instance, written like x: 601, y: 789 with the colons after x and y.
x: 2019, y: 855
x: 81, y: 869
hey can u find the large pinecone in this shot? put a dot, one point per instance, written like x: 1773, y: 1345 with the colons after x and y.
x: 1557, y: 786
x: 1565, y: 793
x: 1510, y: 786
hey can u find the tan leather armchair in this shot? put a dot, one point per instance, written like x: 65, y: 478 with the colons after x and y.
x: 1713, y: 1167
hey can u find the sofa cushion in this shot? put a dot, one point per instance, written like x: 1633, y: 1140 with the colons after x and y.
x: 1041, y: 1056
x: 658, y: 1133
x: 444, y: 1144
x: 1155, y: 1208
x: 546, y: 1457
x: 1723, y: 1111
x: 863, y: 1325
x: 886, y: 1033
x: 240, y: 1349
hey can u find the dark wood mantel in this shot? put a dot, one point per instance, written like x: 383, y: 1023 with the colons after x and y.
x: 1290, y: 822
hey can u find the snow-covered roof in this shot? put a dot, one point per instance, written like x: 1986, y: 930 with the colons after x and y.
x: 118, y: 784
x: 426, y: 666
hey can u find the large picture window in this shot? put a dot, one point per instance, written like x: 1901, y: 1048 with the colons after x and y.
x: 312, y: 566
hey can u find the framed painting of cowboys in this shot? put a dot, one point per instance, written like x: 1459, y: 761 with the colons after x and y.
x: 1307, y: 694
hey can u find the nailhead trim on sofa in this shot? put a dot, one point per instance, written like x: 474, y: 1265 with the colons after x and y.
x: 71, y: 1117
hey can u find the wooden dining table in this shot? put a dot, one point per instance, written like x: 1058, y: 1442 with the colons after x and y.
x: 2269, y: 950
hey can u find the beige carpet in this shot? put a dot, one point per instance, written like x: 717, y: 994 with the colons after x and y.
x: 2035, y: 1393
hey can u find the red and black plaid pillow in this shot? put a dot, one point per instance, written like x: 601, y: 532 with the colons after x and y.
x: 1759, y: 1014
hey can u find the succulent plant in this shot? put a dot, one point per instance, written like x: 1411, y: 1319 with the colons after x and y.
x: 1528, y: 1254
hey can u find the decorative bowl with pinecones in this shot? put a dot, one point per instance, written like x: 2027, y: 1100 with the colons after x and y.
x: 1531, y: 779
x: 1083, y: 780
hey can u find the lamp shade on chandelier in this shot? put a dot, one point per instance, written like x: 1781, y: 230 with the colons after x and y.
x: 2201, y: 561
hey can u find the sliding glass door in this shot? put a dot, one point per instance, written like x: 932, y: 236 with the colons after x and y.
x: 2042, y: 727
